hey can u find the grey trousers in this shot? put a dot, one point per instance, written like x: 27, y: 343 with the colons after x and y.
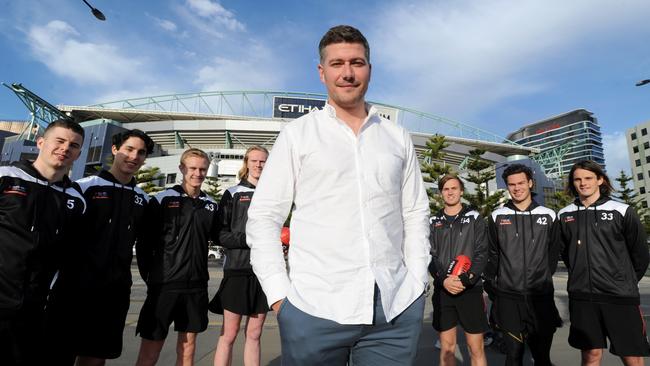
x: 312, y: 341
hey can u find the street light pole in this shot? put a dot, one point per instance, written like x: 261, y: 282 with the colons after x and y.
x: 643, y: 82
x: 98, y: 14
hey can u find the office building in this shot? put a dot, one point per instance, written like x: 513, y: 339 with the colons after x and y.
x: 571, y: 136
x: 638, y: 149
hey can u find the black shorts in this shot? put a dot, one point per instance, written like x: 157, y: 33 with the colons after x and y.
x: 92, y: 321
x: 592, y: 323
x: 536, y: 315
x: 241, y: 295
x: 187, y: 309
x: 22, y: 338
x: 468, y: 309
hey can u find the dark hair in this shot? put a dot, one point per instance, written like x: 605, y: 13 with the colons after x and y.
x: 516, y: 169
x: 66, y: 123
x: 447, y: 178
x: 120, y: 138
x: 343, y: 34
x: 605, y: 188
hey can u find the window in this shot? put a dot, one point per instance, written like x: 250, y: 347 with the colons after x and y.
x: 94, y: 154
x: 644, y: 204
x: 644, y: 131
x: 638, y: 162
x: 635, y: 149
x: 646, y: 145
x: 171, y: 178
x: 639, y: 176
x: 642, y: 190
x: 633, y: 136
x: 647, y: 159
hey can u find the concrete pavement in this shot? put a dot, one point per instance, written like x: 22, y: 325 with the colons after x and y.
x: 561, y: 354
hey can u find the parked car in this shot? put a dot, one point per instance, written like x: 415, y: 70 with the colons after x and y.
x: 215, y: 252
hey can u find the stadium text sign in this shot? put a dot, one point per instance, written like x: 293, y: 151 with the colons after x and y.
x: 285, y: 107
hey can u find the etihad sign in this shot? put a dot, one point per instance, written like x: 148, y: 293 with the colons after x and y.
x: 286, y: 107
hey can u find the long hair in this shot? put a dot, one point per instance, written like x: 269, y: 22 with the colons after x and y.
x: 243, y: 172
x: 605, y: 189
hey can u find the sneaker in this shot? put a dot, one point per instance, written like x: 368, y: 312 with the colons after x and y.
x: 437, y: 345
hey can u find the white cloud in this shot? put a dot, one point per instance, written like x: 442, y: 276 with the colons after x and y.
x: 458, y: 58
x: 165, y: 24
x: 214, y: 11
x: 616, y: 154
x: 253, y: 71
x: 138, y: 91
x: 57, y: 45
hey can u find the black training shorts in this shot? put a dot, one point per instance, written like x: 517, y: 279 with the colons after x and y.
x: 535, y: 314
x: 187, y: 309
x: 467, y: 309
x: 592, y: 323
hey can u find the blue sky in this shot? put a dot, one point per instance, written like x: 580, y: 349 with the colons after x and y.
x: 494, y: 64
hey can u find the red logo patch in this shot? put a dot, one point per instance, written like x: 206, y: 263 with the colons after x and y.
x: 19, y: 190
x: 100, y: 196
x: 505, y: 222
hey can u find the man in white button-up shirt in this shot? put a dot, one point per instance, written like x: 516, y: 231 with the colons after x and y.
x: 359, y: 228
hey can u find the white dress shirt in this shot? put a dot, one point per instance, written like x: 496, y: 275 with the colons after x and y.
x: 360, y: 217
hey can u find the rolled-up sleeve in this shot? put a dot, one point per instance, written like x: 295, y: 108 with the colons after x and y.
x: 415, y: 213
x: 269, y: 209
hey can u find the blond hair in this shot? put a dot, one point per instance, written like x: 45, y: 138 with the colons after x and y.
x: 194, y: 152
x: 243, y: 172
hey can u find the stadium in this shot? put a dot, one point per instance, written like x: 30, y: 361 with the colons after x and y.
x: 224, y: 124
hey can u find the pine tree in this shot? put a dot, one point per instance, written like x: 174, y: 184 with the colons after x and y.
x: 211, y: 188
x: 560, y: 198
x: 480, y: 173
x: 148, y: 178
x: 629, y: 196
x: 433, y: 170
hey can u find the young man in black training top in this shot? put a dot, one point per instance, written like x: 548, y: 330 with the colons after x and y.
x: 92, y: 296
x: 523, y: 255
x: 606, y: 254
x: 458, y: 230
x: 173, y: 261
x: 39, y: 214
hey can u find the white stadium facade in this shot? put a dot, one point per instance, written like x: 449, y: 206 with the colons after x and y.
x: 225, y: 124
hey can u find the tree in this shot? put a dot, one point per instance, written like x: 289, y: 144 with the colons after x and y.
x: 480, y: 173
x: 560, y: 198
x: 212, y: 188
x: 629, y: 196
x: 148, y: 178
x: 432, y: 169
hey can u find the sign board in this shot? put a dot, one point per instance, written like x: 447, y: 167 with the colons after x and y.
x: 287, y: 107
x: 390, y: 114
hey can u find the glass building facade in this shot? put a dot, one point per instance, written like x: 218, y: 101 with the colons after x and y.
x: 576, y: 132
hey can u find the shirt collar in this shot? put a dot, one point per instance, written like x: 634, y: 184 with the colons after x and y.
x: 373, y: 113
